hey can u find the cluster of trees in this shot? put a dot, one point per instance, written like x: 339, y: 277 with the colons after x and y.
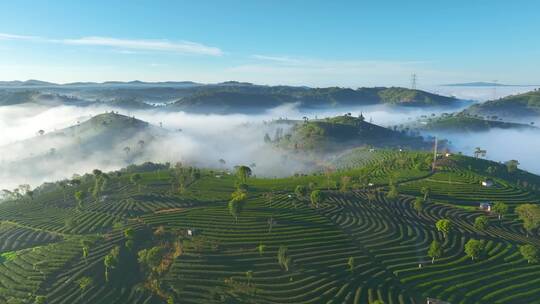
x: 530, y: 215
x: 473, y: 248
x: 111, y: 261
x: 239, y: 196
x: 315, y: 196
x: 100, y: 183
x: 182, y: 177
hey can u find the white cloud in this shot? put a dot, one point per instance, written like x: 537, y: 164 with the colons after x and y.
x: 181, y: 47
x: 4, y: 36
x: 185, y: 47
x: 282, y: 59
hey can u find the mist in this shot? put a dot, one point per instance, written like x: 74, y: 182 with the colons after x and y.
x: 193, y: 139
x: 501, y: 145
x: 197, y: 140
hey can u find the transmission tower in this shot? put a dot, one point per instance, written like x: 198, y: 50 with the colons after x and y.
x: 413, y: 81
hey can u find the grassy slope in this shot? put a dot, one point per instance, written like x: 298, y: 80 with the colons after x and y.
x: 464, y: 123
x: 526, y: 104
x: 335, y: 133
x: 386, y: 238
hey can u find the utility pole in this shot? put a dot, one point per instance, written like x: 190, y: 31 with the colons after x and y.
x: 435, y: 154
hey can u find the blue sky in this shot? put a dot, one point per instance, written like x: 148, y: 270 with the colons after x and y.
x: 317, y: 43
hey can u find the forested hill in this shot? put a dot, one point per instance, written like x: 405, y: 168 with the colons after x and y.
x: 521, y: 105
x: 337, y: 133
x: 227, y: 97
x: 255, y: 98
x: 462, y: 122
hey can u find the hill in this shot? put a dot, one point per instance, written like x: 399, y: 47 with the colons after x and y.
x: 226, y: 97
x: 107, y: 140
x: 342, y: 132
x: 466, y: 123
x: 526, y: 105
x: 26, y: 96
x: 249, y: 98
x: 157, y: 233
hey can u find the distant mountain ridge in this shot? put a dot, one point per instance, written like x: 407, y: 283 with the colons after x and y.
x: 256, y: 98
x: 486, y: 84
x: 221, y: 98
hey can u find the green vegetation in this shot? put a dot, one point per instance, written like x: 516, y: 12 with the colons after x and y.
x: 333, y: 235
x: 462, y: 122
x: 250, y: 98
x: 521, y: 105
x: 336, y: 133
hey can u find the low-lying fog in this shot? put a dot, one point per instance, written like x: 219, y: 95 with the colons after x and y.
x: 203, y: 140
x: 479, y: 93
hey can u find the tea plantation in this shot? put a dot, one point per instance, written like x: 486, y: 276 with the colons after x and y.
x: 358, y: 231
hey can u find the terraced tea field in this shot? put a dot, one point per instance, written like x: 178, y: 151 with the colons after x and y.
x: 357, y: 246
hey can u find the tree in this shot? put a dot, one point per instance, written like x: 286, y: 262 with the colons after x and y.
x: 79, y: 196
x: 443, y: 226
x: 393, y: 193
x: 129, y: 233
x: 479, y: 152
x: 284, y: 259
x: 316, y: 198
x: 426, y: 191
x: 419, y: 204
x: 30, y: 194
x: 111, y: 261
x: 84, y: 283
x: 40, y: 300
x: 236, y: 203
x: 435, y: 251
x: 345, y: 183
x: 500, y: 209
x: 85, y: 244
x: 481, y: 222
x: 512, y: 165
x: 136, y: 180
x: 300, y: 191
x: 249, y: 277
x: 243, y: 173
x: 474, y: 248
x: 141, y: 143
x: 530, y: 253
x: 96, y: 192
x: 261, y: 249
x: 350, y: 263
x: 530, y: 215
x: 154, y: 257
